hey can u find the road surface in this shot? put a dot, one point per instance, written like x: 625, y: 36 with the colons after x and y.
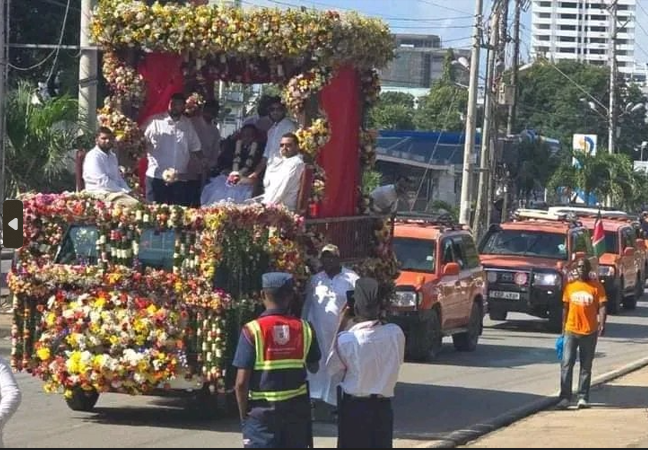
x: 514, y: 364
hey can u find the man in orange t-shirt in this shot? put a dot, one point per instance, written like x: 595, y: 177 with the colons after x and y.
x: 583, y: 321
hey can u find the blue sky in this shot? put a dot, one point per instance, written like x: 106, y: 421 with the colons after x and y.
x: 450, y: 19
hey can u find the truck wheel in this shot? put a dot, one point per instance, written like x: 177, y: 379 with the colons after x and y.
x: 555, y: 319
x: 631, y: 302
x: 207, y: 405
x: 614, y: 303
x: 425, y: 339
x: 497, y: 314
x: 467, y: 341
x: 82, y: 400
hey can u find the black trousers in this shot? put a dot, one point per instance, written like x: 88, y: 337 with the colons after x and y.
x: 285, y: 425
x: 365, y: 422
x: 157, y: 191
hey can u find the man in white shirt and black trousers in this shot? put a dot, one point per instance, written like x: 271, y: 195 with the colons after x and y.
x: 368, y: 356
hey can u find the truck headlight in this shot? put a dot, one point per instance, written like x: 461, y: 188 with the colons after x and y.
x: 406, y: 298
x: 546, y: 279
x: 606, y: 271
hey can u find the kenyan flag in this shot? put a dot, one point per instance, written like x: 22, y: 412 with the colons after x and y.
x: 598, y: 237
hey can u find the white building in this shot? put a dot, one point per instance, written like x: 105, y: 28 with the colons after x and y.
x: 580, y: 30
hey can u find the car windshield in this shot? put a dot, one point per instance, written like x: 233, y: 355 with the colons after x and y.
x: 525, y: 243
x: 611, y: 242
x: 417, y: 255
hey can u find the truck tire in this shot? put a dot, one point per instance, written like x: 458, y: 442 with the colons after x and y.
x: 425, y: 340
x: 631, y: 302
x: 82, y: 400
x: 555, y: 319
x: 467, y: 341
x: 615, y: 300
x: 205, y: 404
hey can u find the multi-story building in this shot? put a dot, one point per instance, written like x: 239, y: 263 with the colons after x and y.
x: 419, y: 62
x: 580, y: 30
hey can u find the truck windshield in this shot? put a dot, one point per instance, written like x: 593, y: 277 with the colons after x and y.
x: 417, y: 255
x: 611, y: 242
x: 525, y: 243
x: 79, y: 247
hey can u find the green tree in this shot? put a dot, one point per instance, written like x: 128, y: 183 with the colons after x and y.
x: 535, y: 166
x: 444, y: 107
x: 41, y: 137
x: 394, y: 111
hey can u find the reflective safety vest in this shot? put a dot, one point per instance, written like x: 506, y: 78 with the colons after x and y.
x: 281, y: 344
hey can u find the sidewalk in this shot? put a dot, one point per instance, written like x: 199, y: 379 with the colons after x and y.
x: 618, y: 418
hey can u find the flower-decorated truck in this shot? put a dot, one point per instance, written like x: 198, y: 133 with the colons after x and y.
x: 150, y: 299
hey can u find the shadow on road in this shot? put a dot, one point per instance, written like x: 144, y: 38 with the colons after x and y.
x: 620, y: 396
x: 432, y: 412
x: 496, y: 355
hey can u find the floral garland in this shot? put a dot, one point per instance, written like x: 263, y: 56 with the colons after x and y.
x: 370, y: 85
x: 368, y: 141
x: 325, y: 37
x: 129, y: 137
x: 123, y: 80
x: 193, y: 103
x: 303, y: 86
x: 313, y: 138
x: 249, y: 161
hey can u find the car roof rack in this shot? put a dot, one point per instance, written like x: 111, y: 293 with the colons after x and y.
x: 442, y: 220
x: 543, y: 215
x: 583, y: 211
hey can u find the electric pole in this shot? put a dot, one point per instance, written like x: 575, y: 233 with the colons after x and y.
x: 4, y: 64
x: 471, y: 117
x: 510, y: 124
x: 489, y: 106
x: 613, y: 69
x: 88, y: 78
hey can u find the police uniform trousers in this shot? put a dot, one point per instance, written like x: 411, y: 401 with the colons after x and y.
x: 285, y: 424
x: 365, y: 422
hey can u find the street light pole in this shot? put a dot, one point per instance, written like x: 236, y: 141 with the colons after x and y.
x: 613, y: 70
x: 88, y: 69
x: 471, y: 117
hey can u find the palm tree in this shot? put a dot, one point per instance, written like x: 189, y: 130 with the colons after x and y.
x: 41, y: 136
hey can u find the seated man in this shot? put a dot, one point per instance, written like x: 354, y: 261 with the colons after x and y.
x: 101, y: 171
x: 283, y: 176
x: 233, y: 184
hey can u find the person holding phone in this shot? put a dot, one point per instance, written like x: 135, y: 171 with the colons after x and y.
x: 364, y: 342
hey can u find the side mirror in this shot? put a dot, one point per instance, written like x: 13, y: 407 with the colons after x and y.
x: 641, y: 244
x: 451, y: 269
x: 629, y: 251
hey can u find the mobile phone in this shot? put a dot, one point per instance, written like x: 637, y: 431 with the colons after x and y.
x: 350, y: 300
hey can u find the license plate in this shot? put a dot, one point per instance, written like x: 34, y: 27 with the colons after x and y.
x: 504, y: 294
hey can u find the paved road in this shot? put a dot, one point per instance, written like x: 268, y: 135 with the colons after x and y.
x: 515, y: 364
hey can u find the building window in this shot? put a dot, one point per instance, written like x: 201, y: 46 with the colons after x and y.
x: 568, y: 16
x: 568, y: 27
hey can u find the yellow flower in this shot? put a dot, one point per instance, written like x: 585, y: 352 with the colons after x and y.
x: 43, y: 353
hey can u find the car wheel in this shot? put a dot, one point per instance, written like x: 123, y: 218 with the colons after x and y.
x: 82, y: 400
x: 425, y: 339
x: 556, y: 319
x: 631, y: 302
x: 614, y: 303
x: 497, y: 315
x: 467, y: 341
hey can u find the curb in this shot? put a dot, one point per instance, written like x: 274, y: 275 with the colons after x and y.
x: 462, y: 437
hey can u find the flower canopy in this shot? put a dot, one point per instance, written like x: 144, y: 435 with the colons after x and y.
x: 316, y: 38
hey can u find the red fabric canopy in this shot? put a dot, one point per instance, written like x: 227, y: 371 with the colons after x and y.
x: 163, y: 75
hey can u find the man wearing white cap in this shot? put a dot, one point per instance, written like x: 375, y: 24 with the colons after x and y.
x: 325, y: 301
x: 273, y: 354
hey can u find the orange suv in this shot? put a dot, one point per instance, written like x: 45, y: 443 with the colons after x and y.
x: 527, y: 261
x: 440, y: 290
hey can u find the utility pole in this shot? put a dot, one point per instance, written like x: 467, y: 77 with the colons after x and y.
x: 510, y: 124
x: 485, y: 157
x: 88, y: 76
x: 4, y: 64
x: 613, y: 69
x: 471, y: 117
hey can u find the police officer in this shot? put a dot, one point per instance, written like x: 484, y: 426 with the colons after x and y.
x: 272, y: 356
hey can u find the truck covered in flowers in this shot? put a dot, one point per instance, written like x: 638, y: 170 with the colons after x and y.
x: 150, y: 299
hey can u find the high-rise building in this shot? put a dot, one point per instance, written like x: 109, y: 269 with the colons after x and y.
x: 579, y: 30
x: 419, y: 62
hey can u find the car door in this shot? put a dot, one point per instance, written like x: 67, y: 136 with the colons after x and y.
x: 463, y: 301
x: 628, y: 262
x: 448, y: 286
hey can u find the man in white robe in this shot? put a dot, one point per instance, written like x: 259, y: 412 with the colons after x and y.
x: 282, y: 180
x: 326, y: 298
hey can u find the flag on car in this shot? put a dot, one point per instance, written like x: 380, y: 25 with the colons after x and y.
x: 598, y: 237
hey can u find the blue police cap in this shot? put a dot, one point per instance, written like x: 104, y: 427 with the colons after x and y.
x: 275, y: 280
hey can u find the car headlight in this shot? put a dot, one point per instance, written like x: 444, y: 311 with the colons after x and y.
x: 405, y: 298
x: 546, y: 279
x: 606, y: 271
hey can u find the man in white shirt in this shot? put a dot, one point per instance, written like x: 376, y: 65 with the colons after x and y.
x: 281, y: 126
x: 173, y: 142
x: 326, y: 297
x: 386, y: 198
x: 368, y: 358
x: 101, y: 174
x: 282, y: 179
x: 10, y: 396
